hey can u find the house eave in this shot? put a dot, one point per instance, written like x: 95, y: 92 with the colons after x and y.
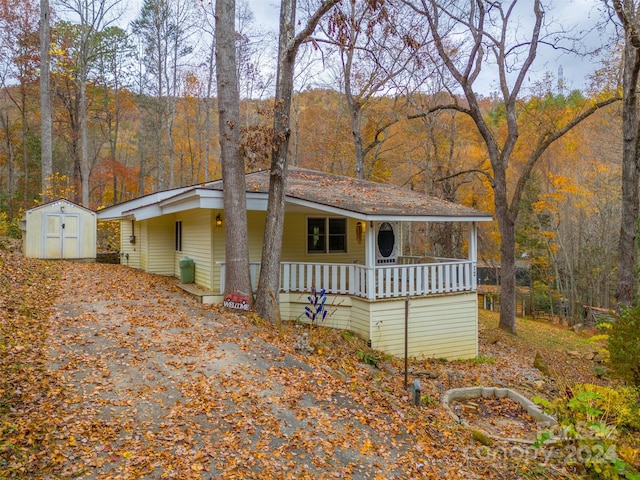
x: 123, y: 210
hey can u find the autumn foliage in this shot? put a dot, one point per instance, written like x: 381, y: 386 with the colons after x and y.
x: 31, y: 395
x: 114, y: 373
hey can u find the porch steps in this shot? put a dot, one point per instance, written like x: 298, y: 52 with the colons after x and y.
x: 199, y: 293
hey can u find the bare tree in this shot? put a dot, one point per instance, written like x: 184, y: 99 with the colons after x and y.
x: 208, y: 25
x: 254, y: 79
x: 110, y: 66
x: 180, y: 29
x: 19, y: 60
x: 628, y: 12
x: 233, y: 175
x: 164, y: 26
x: 152, y: 28
x: 372, y: 58
x: 487, y: 29
x: 93, y: 16
x: 45, y: 97
x: 288, y: 44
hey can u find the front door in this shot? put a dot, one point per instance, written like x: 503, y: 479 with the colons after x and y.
x: 61, y: 235
x: 386, y: 242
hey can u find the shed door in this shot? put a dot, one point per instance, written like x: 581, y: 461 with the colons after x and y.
x: 61, y: 235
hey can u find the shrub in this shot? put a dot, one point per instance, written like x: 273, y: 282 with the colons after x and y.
x: 8, y: 228
x: 596, y: 430
x: 4, y: 223
x: 108, y: 236
x: 624, y: 346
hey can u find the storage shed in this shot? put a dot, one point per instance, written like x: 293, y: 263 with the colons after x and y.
x: 60, y: 230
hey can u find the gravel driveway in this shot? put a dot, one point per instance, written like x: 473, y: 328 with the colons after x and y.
x: 162, y: 387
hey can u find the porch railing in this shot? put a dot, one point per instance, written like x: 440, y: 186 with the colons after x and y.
x: 388, y: 281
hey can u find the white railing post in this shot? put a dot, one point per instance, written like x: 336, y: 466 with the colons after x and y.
x: 370, y: 262
x: 473, y: 254
x: 286, y: 277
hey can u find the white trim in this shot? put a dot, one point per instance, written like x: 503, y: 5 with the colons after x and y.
x: 385, y: 217
x: 144, y: 213
x: 117, y: 212
x: 392, y: 258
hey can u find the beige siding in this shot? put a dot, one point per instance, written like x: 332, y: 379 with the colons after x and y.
x: 339, y: 308
x: 144, y: 244
x: 127, y: 229
x: 439, y: 327
x: 34, y: 234
x: 161, y: 251
x: 294, y: 242
x: 218, y: 251
x: 256, y: 221
x: 294, y: 246
x: 197, y: 226
x: 360, y: 317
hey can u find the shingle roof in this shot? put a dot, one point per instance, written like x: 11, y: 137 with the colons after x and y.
x: 360, y: 196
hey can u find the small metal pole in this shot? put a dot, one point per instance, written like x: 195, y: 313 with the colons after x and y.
x: 406, y: 342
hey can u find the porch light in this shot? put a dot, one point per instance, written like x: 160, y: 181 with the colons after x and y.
x: 62, y: 208
x: 360, y: 228
x: 218, y: 221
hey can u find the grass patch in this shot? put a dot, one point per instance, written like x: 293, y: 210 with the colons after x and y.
x: 480, y: 359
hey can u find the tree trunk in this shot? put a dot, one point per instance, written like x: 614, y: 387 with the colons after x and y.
x: 85, y: 169
x: 238, y: 277
x: 508, y: 292
x: 626, y: 286
x: 207, y: 107
x: 355, y: 111
x: 45, y: 100
x: 269, y: 284
x: 288, y: 44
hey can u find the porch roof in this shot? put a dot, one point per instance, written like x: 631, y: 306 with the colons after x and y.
x: 310, y: 191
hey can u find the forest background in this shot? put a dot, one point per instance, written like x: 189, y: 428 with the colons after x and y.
x: 152, y: 123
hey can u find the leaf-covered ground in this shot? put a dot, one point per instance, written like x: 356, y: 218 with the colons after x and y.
x: 111, y: 373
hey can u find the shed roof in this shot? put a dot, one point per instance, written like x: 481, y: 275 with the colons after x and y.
x: 59, y: 201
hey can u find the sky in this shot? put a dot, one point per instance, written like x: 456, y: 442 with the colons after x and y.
x: 579, y: 15
x: 267, y: 12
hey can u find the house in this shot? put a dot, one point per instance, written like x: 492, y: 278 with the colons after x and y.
x: 59, y: 230
x: 340, y: 234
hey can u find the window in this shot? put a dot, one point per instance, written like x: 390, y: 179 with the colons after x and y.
x: 179, y: 236
x: 326, y: 235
